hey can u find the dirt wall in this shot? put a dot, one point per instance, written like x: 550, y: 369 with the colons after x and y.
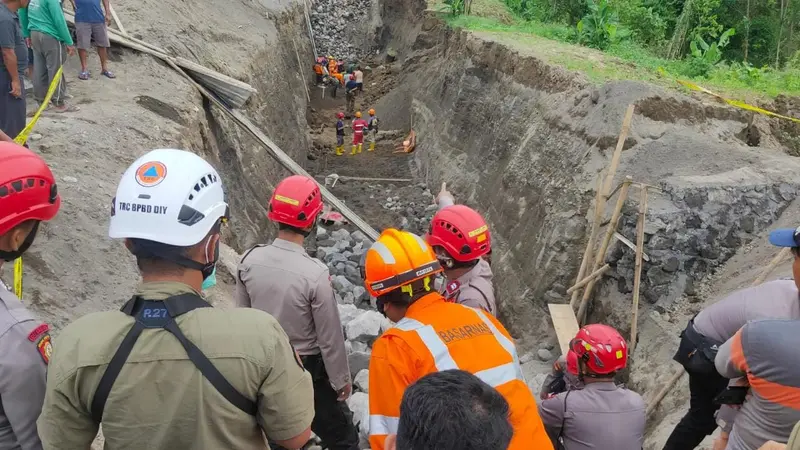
x: 525, y: 142
x: 74, y: 268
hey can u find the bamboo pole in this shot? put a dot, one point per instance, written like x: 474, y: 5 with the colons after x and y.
x: 782, y: 255
x: 116, y: 19
x: 673, y: 380
x: 600, y: 204
x: 637, y: 277
x: 589, y: 243
x: 300, y: 68
x: 592, y: 276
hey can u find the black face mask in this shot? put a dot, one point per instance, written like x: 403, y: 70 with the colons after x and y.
x: 11, y: 256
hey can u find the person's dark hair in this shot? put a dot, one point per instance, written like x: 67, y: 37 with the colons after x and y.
x: 149, y: 256
x: 453, y: 410
x: 284, y: 227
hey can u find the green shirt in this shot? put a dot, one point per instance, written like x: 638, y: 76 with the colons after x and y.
x: 45, y: 16
x: 160, y: 400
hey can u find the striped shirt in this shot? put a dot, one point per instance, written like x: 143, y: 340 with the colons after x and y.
x: 766, y: 351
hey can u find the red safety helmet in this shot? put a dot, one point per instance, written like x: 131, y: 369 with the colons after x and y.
x: 572, y: 362
x: 461, y: 231
x: 601, y: 347
x: 27, y: 187
x: 340, y: 115
x: 296, y: 202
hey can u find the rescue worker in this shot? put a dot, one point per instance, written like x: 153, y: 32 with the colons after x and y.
x: 359, y: 127
x: 168, y: 371
x: 433, y: 335
x: 765, y: 352
x: 319, y: 72
x: 28, y: 196
x: 602, y: 415
x: 712, y: 327
x: 564, y: 376
x: 460, y: 238
x: 333, y: 67
x: 339, y: 134
x: 295, y: 288
x: 373, y: 129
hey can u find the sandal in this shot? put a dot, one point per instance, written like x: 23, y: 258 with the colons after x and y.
x: 109, y: 74
x: 84, y: 75
x: 66, y: 108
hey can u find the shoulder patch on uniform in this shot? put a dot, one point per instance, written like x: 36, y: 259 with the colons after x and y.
x: 453, y: 287
x: 38, y: 331
x: 45, y: 347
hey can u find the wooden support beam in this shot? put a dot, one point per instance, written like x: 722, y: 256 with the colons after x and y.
x: 565, y: 324
x: 587, y: 253
x: 777, y: 259
x: 637, y: 277
x: 673, y: 380
x: 592, y: 276
x: 116, y: 19
x: 629, y: 244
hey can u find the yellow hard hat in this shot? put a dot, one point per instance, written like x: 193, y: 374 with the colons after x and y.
x: 371, y: 112
x: 396, y: 259
x: 358, y: 114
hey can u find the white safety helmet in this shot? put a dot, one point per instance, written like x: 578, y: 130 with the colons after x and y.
x: 173, y: 197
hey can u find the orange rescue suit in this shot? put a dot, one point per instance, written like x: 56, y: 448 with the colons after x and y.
x: 436, y: 335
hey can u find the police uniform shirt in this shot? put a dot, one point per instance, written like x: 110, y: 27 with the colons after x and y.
x: 295, y: 288
x: 160, y: 399
x: 474, y: 289
x: 600, y: 416
x: 25, y: 349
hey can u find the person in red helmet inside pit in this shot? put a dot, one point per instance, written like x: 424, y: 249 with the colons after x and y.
x: 28, y: 195
x: 602, y: 415
x: 461, y: 239
x: 283, y: 280
x: 563, y: 378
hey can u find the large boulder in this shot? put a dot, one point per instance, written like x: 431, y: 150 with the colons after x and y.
x: 358, y: 361
x: 341, y: 284
x: 365, y: 328
x: 347, y: 313
x: 362, y: 381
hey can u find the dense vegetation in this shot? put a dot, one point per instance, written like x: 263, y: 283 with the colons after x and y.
x: 752, y: 43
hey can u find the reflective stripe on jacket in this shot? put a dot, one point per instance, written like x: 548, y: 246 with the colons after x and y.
x: 436, y: 335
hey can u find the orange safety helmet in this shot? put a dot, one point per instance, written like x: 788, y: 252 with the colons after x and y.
x: 372, y: 112
x: 397, y: 259
x: 358, y: 114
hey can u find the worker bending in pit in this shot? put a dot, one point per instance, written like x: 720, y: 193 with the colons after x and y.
x: 461, y: 238
x: 359, y: 128
x: 563, y: 378
x: 295, y: 288
x: 602, y: 415
x: 433, y: 335
x: 715, y: 325
x: 28, y: 196
x: 168, y: 371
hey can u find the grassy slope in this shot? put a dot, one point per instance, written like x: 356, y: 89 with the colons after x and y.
x: 627, y: 60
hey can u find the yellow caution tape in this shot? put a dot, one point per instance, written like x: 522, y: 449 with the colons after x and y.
x: 18, y: 277
x: 736, y: 103
x: 21, y: 139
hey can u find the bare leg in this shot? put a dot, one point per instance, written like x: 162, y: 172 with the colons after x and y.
x: 102, y: 52
x: 82, y: 56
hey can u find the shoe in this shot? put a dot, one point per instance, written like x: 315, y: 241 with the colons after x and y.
x: 371, y: 147
x: 360, y: 146
x: 353, y: 151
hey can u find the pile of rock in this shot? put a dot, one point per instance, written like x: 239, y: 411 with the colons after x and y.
x: 333, y: 21
x: 342, y: 251
x: 415, y: 207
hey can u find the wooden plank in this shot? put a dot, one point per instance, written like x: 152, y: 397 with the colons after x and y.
x: 587, y: 253
x: 779, y: 258
x: 630, y: 244
x: 637, y: 276
x: 234, y: 92
x: 565, y: 324
x: 592, y: 276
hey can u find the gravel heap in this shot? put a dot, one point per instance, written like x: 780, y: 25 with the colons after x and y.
x: 333, y: 21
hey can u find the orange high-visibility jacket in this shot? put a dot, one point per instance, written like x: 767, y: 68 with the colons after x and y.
x: 436, y: 335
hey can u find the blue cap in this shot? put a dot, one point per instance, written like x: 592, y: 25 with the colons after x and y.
x: 785, y: 237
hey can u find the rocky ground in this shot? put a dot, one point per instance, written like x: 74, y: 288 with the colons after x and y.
x: 332, y: 20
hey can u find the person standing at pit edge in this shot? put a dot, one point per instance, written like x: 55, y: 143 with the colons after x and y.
x: 715, y: 325
x: 433, y: 335
x: 12, y: 67
x: 168, y: 371
x: 91, y: 24
x: 295, y: 288
x: 601, y: 415
x: 45, y: 27
x: 28, y: 196
x: 461, y: 238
